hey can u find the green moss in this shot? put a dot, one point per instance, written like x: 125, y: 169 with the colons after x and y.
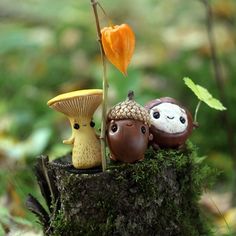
x: 59, y: 224
x: 158, y: 196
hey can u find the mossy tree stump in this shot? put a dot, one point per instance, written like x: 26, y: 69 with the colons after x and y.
x: 158, y: 196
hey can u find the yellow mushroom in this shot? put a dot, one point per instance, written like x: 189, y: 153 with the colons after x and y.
x: 79, y: 106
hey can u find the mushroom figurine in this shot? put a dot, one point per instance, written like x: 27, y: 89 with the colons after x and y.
x: 79, y: 106
x: 128, y: 131
x: 171, y: 123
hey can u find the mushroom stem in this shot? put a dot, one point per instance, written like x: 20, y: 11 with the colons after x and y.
x: 84, y: 155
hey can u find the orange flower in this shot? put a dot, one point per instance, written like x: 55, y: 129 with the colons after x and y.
x: 118, y: 43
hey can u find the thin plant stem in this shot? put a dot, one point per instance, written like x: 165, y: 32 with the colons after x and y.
x: 105, y: 14
x: 196, y: 111
x: 218, y: 74
x: 105, y: 87
x: 218, y: 210
x: 45, y: 172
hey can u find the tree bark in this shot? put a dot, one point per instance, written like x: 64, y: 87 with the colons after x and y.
x: 158, y: 196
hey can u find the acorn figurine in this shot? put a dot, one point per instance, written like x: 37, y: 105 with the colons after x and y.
x: 171, y: 123
x: 128, y: 131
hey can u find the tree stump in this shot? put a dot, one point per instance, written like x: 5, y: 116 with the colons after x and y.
x: 157, y: 196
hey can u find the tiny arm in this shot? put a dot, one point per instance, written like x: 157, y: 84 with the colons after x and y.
x: 69, y: 141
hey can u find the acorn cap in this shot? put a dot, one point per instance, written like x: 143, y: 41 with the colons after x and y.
x: 129, y: 109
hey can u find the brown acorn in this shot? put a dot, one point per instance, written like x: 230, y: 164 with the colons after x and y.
x: 128, y: 131
x: 171, y: 123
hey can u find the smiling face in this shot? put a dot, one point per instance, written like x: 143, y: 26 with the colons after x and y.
x: 171, y: 123
x: 169, y: 118
x: 83, y: 124
x: 127, y: 140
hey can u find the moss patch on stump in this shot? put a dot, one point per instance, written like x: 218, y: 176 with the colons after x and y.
x: 158, y: 196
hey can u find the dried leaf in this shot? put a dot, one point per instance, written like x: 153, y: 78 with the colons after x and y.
x: 118, y: 43
x: 14, y: 200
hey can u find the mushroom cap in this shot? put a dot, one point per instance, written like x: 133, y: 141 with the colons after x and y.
x: 77, y: 103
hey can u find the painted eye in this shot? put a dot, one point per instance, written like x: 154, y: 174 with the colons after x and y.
x: 143, y: 129
x: 156, y: 115
x: 92, y: 124
x: 114, y: 128
x: 76, y: 126
x: 182, y: 119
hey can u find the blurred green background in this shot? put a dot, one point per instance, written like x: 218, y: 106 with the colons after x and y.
x: 50, y: 47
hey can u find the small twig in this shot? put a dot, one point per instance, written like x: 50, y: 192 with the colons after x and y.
x: 220, y: 85
x: 44, y: 161
x: 218, y: 210
x: 105, y: 87
x: 105, y: 14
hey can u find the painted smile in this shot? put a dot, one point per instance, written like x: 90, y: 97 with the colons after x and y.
x: 171, y: 118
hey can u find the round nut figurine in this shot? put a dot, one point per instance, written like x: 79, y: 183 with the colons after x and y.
x: 128, y: 131
x: 171, y: 123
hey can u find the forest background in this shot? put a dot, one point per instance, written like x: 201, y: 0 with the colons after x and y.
x: 50, y: 47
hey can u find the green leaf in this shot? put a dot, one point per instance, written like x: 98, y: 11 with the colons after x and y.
x: 21, y: 221
x: 4, y: 216
x: 204, y: 95
x: 2, y: 231
x: 4, y: 212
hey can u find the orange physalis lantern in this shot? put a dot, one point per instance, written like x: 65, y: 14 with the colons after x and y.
x: 118, y: 43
